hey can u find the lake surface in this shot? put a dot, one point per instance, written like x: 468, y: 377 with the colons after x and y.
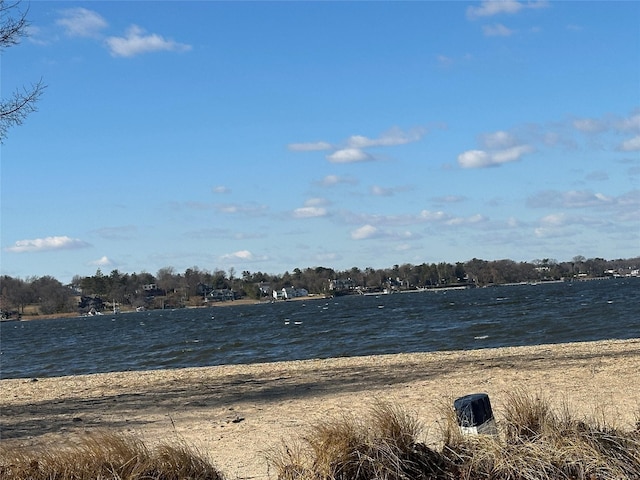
x: 323, y: 328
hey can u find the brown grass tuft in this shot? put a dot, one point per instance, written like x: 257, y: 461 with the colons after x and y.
x: 381, y: 446
x: 106, y: 456
x: 537, y: 442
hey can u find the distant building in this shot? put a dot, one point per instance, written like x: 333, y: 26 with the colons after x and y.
x: 341, y: 284
x: 290, y: 292
x: 221, y: 295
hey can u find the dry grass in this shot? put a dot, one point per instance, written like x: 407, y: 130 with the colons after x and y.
x: 381, y: 446
x: 106, y: 456
x: 536, y: 442
x: 542, y: 443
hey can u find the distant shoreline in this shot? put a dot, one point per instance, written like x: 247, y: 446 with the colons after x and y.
x: 106, y: 313
x: 253, y: 301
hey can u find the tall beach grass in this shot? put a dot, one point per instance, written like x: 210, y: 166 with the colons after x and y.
x: 535, y: 441
x: 106, y: 456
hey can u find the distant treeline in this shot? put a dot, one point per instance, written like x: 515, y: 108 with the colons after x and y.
x: 168, y: 288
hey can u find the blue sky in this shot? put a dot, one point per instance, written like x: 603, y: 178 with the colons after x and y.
x: 268, y: 136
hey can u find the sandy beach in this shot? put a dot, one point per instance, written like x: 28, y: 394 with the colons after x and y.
x: 235, y: 414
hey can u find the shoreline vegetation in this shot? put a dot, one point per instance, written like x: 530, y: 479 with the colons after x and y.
x: 236, y: 414
x: 46, y: 296
x: 32, y: 314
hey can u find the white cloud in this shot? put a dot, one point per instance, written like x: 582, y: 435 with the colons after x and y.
x: 379, y: 191
x: 429, y: 216
x: 137, y: 42
x: 511, y: 154
x: 629, y: 124
x: 589, y: 125
x: 316, y: 201
x: 244, y: 255
x: 569, y: 199
x: 364, y: 232
x: 309, y: 212
x: 331, y: 180
x: 457, y: 221
x: 81, y: 22
x: 560, y: 225
x: 450, y: 199
x: 497, y: 140
x: 309, y: 147
x: 474, y: 159
x: 47, y: 243
x: 348, y: 155
x: 102, y: 262
x: 394, y: 136
x: 630, y: 145
x: 352, y: 150
x: 247, y: 209
x: 498, y: 148
x: 489, y: 8
x: 221, y: 189
x: 496, y: 30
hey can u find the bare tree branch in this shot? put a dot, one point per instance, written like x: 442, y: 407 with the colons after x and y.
x: 15, y: 109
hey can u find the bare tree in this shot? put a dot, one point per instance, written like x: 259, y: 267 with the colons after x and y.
x: 15, y: 109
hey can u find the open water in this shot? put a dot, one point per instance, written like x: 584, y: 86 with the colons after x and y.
x: 315, y: 328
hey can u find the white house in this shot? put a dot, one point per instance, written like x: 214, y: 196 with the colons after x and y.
x: 289, y: 292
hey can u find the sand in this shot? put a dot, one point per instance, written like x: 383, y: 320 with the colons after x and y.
x: 235, y: 414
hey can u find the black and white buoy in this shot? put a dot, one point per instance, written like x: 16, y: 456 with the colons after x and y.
x: 475, y: 415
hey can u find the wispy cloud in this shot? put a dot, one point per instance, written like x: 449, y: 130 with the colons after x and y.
x: 81, y: 22
x: 489, y: 8
x: 497, y: 148
x: 438, y: 217
x: 117, y: 233
x: 249, y: 209
x: 47, y: 244
x: 224, y: 233
x: 352, y: 150
x: 393, y: 136
x: 137, y: 41
x: 313, y: 207
x: 379, y: 191
x: 332, y: 180
x: 450, y: 199
x: 309, y: 212
x: 221, y: 189
x: 309, y: 147
x: 85, y: 23
x: 367, y: 232
x: 497, y: 30
x: 572, y: 199
x: 630, y: 145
